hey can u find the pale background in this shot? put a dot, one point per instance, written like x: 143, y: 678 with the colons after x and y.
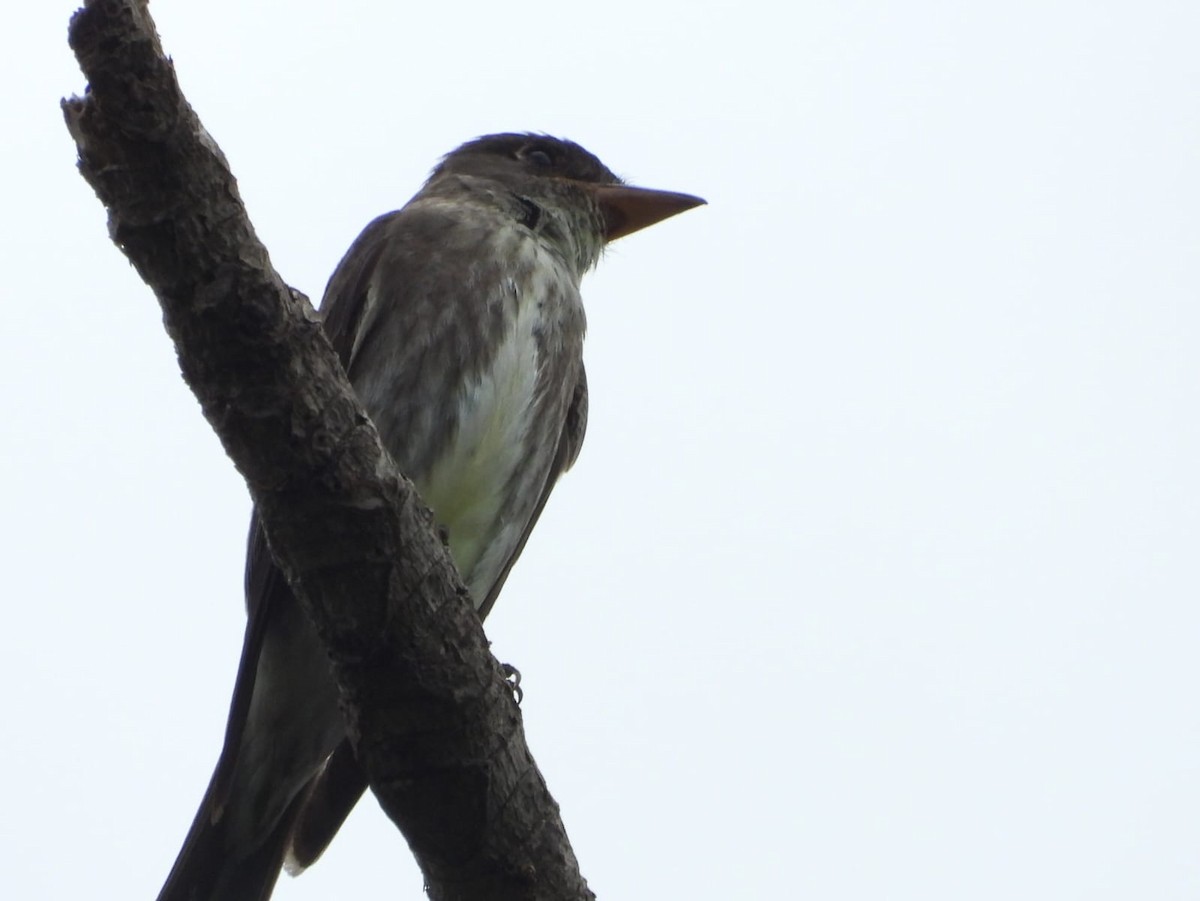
x: 877, y: 576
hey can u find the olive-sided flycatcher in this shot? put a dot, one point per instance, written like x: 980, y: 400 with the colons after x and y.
x: 459, y: 322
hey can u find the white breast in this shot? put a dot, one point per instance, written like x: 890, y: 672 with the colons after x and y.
x: 467, y: 486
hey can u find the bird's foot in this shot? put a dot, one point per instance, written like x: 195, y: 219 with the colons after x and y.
x: 512, y: 676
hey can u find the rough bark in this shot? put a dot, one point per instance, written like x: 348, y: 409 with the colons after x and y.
x: 433, y: 719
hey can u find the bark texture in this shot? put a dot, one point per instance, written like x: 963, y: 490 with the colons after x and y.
x: 433, y: 719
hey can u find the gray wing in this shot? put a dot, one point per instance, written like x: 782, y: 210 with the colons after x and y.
x: 569, y: 444
x: 266, y: 587
x: 212, y: 863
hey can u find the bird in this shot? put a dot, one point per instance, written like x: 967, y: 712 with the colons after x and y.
x: 459, y: 322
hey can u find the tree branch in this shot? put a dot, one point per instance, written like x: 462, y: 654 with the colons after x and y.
x: 427, y: 706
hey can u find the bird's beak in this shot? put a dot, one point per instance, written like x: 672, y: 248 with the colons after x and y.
x: 628, y: 209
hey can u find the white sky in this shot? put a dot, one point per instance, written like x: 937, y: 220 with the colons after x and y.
x: 877, y: 576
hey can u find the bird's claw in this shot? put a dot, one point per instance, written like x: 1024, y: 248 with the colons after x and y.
x: 512, y: 676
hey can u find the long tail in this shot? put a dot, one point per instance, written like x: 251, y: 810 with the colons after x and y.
x: 208, y: 868
x: 283, y: 724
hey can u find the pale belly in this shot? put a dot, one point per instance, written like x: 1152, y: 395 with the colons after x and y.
x: 468, y: 486
x: 479, y: 450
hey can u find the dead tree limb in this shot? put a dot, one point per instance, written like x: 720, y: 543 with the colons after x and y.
x: 432, y: 717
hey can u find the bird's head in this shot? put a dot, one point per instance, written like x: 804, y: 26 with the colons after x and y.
x: 556, y: 172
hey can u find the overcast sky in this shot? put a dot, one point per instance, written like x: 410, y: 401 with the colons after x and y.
x: 877, y: 576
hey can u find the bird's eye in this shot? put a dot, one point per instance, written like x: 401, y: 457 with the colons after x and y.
x: 539, y: 158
